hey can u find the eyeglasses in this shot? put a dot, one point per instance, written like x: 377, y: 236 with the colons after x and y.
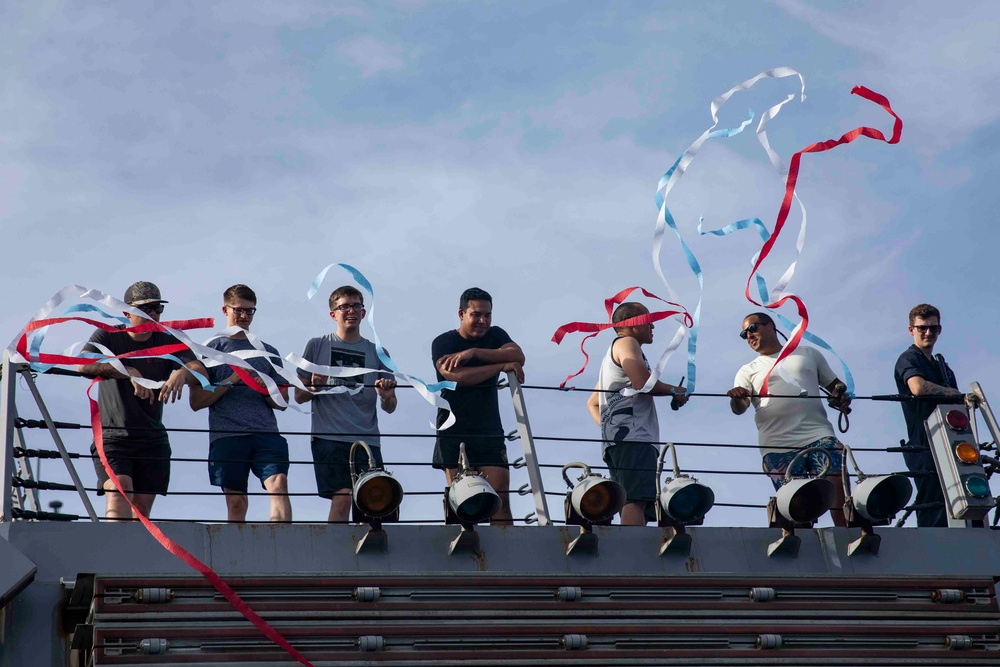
x: 248, y: 312
x: 348, y: 307
x: 751, y: 329
x: 150, y: 308
x: 924, y: 328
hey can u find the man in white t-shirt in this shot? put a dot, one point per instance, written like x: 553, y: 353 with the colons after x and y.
x: 785, y: 426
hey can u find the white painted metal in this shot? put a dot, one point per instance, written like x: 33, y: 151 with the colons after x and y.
x: 530, y: 458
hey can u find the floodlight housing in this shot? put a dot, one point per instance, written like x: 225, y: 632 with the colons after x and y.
x: 686, y: 500
x: 683, y: 499
x: 880, y: 497
x: 470, y: 496
x: 804, y: 500
x: 376, y: 492
x: 594, y: 498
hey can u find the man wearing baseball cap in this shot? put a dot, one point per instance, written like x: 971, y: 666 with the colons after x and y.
x: 135, y: 441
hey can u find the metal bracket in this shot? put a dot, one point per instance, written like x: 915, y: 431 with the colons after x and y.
x: 466, y: 541
x: 585, y: 543
x: 375, y: 540
x: 786, y: 545
x: 678, y: 543
x: 868, y: 542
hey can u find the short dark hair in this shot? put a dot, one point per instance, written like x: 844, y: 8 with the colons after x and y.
x: 473, y: 294
x: 627, y: 311
x: 240, y: 291
x: 763, y: 318
x: 924, y: 311
x: 344, y: 292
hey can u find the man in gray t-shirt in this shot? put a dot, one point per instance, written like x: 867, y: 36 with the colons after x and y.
x: 339, y: 419
x: 243, y: 430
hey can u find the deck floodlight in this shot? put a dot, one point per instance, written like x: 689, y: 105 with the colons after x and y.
x: 683, y: 499
x: 880, y: 497
x: 874, y: 501
x: 807, y: 499
x: 594, y: 498
x: 470, y: 496
x: 377, y: 496
x: 376, y: 492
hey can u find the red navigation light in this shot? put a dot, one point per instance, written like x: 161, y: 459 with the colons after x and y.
x: 957, y: 420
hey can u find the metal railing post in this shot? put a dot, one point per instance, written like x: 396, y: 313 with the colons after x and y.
x: 530, y: 459
x: 7, y: 387
x: 54, y: 432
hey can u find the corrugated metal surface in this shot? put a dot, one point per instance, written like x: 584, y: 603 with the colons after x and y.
x: 511, y: 619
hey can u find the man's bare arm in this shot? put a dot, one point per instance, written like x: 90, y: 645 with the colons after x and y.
x: 200, y: 399
x: 739, y: 400
x: 628, y: 354
x: 101, y: 370
x: 507, y: 353
x: 465, y: 376
x: 594, y: 406
x: 920, y: 387
x: 173, y: 387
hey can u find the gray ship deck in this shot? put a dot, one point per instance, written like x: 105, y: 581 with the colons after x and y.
x: 927, y: 598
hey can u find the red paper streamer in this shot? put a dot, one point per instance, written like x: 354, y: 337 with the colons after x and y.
x: 183, y: 554
x: 786, y: 204
x: 609, y: 305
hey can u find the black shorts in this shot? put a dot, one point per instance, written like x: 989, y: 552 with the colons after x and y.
x: 487, y: 450
x: 332, y: 464
x: 148, y: 464
x: 633, y: 465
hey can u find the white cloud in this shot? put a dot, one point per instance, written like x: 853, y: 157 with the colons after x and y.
x: 938, y: 66
x: 372, y: 56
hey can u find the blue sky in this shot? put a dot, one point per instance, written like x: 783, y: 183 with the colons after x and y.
x: 512, y: 146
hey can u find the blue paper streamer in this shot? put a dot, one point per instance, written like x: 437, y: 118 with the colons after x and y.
x: 383, y: 357
x: 692, y: 367
x: 765, y: 296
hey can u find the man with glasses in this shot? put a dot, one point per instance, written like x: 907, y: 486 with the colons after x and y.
x: 629, y: 424
x: 918, y: 373
x: 473, y: 356
x: 135, y: 441
x: 243, y: 429
x: 791, y: 417
x: 340, y: 417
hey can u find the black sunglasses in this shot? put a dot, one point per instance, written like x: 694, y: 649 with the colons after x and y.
x: 751, y: 329
x: 150, y: 308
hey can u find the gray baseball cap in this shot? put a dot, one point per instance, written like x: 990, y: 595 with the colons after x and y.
x: 141, y: 293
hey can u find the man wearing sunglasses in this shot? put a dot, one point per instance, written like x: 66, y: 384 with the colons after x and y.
x: 135, y: 441
x: 918, y: 373
x: 243, y: 430
x: 629, y: 424
x: 339, y: 418
x: 785, y: 426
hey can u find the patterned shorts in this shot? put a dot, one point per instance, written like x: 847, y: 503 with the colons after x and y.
x: 776, y: 464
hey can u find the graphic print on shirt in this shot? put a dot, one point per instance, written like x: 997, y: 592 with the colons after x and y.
x: 616, y: 422
x: 343, y: 358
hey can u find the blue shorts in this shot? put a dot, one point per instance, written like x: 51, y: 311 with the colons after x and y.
x: 232, y: 459
x: 776, y: 464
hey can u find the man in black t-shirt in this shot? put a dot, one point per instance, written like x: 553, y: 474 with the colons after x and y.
x: 135, y: 441
x: 918, y: 373
x: 473, y: 356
